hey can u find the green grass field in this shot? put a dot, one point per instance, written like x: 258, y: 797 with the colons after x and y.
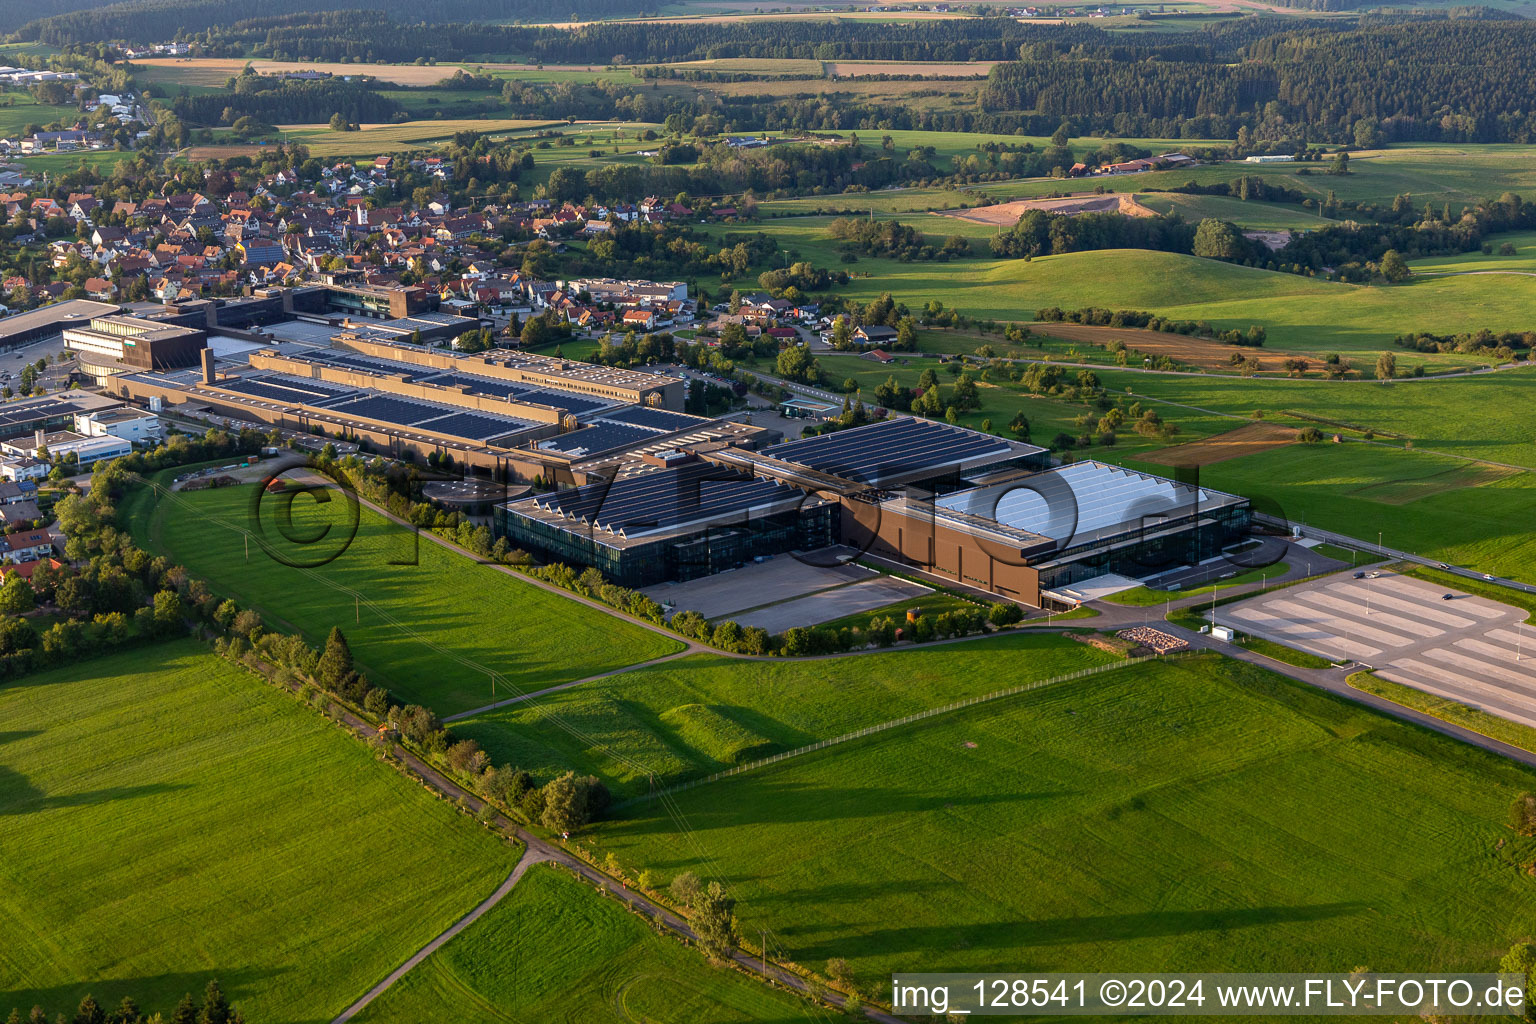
x: 1305, y: 315
x: 1478, y: 417
x: 553, y: 950
x: 1113, y: 821
x: 1425, y: 504
x: 19, y: 109
x: 431, y: 624
x: 384, y: 138
x: 169, y: 818
x: 1146, y: 597
x: 1252, y: 214
x: 699, y: 714
x: 1516, y: 734
x: 1436, y: 173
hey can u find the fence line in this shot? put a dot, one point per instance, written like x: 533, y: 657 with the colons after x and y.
x: 870, y: 730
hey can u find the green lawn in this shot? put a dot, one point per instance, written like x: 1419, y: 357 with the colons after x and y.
x: 1441, y: 508
x: 1196, y: 815
x: 19, y: 109
x: 1523, y: 261
x: 703, y: 713
x: 1144, y: 596
x: 1437, y: 173
x: 553, y: 950
x: 1251, y: 214
x: 1516, y: 734
x: 1301, y: 314
x: 1480, y: 417
x: 169, y: 818
x: 430, y: 624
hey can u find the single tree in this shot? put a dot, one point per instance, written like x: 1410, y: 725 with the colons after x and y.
x: 565, y: 804
x: 1393, y: 267
x: 335, y: 665
x: 714, y: 922
x: 685, y: 889
x: 215, y: 1006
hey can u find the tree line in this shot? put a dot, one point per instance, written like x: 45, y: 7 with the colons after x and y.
x: 214, y: 1008
x: 1437, y: 79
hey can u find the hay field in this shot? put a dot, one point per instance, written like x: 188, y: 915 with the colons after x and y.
x: 1005, y: 215
x: 1234, y: 444
x: 215, y: 71
x: 910, y: 69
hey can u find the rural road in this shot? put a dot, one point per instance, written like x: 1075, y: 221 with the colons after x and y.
x: 539, y: 850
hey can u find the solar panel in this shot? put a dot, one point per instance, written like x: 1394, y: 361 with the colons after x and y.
x: 478, y: 384
x: 298, y: 390
x: 661, y: 419
x: 599, y: 438
x: 387, y: 409
x: 889, y: 449
x: 471, y: 425
x: 657, y: 500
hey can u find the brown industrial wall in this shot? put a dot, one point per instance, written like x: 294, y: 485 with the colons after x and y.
x: 938, y: 549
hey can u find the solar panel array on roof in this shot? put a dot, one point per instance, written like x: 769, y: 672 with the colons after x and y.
x: 661, y: 419
x: 298, y: 390
x: 471, y: 425
x: 690, y: 493
x: 387, y: 409
x: 517, y: 392
x: 574, y: 404
x: 601, y: 437
x: 34, y: 412
x: 891, y: 449
x: 481, y: 385
x: 1097, y: 499
x: 368, y: 364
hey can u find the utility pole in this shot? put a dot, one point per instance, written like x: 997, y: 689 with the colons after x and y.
x: 765, y: 952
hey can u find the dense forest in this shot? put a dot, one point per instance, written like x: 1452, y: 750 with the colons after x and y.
x: 1452, y: 79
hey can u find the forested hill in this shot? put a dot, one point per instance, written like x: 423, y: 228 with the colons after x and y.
x: 1443, y: 80
x: 61, y: 22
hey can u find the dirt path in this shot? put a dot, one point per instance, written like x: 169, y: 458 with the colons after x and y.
x: 530, y: 858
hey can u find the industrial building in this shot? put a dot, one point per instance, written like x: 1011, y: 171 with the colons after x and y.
x: 49, y: 321
x: 981, y: 511
x: 517, y: 415
x: 107, y: 345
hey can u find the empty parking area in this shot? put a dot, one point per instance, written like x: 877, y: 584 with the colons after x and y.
x: 781, y: 578
x: 1468, y: 649
x: 834, y: 604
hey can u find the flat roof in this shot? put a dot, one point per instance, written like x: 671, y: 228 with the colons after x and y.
x: 890, y: 450
x: 1084, y: 502
x: 600, y: 437
x: 657, y: 502
x: 74, y: 312
x: 497, y: 387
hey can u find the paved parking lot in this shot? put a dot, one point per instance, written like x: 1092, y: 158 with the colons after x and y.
x: 834, y: 604
x: 781, y: 578
x: 1468, y: 649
